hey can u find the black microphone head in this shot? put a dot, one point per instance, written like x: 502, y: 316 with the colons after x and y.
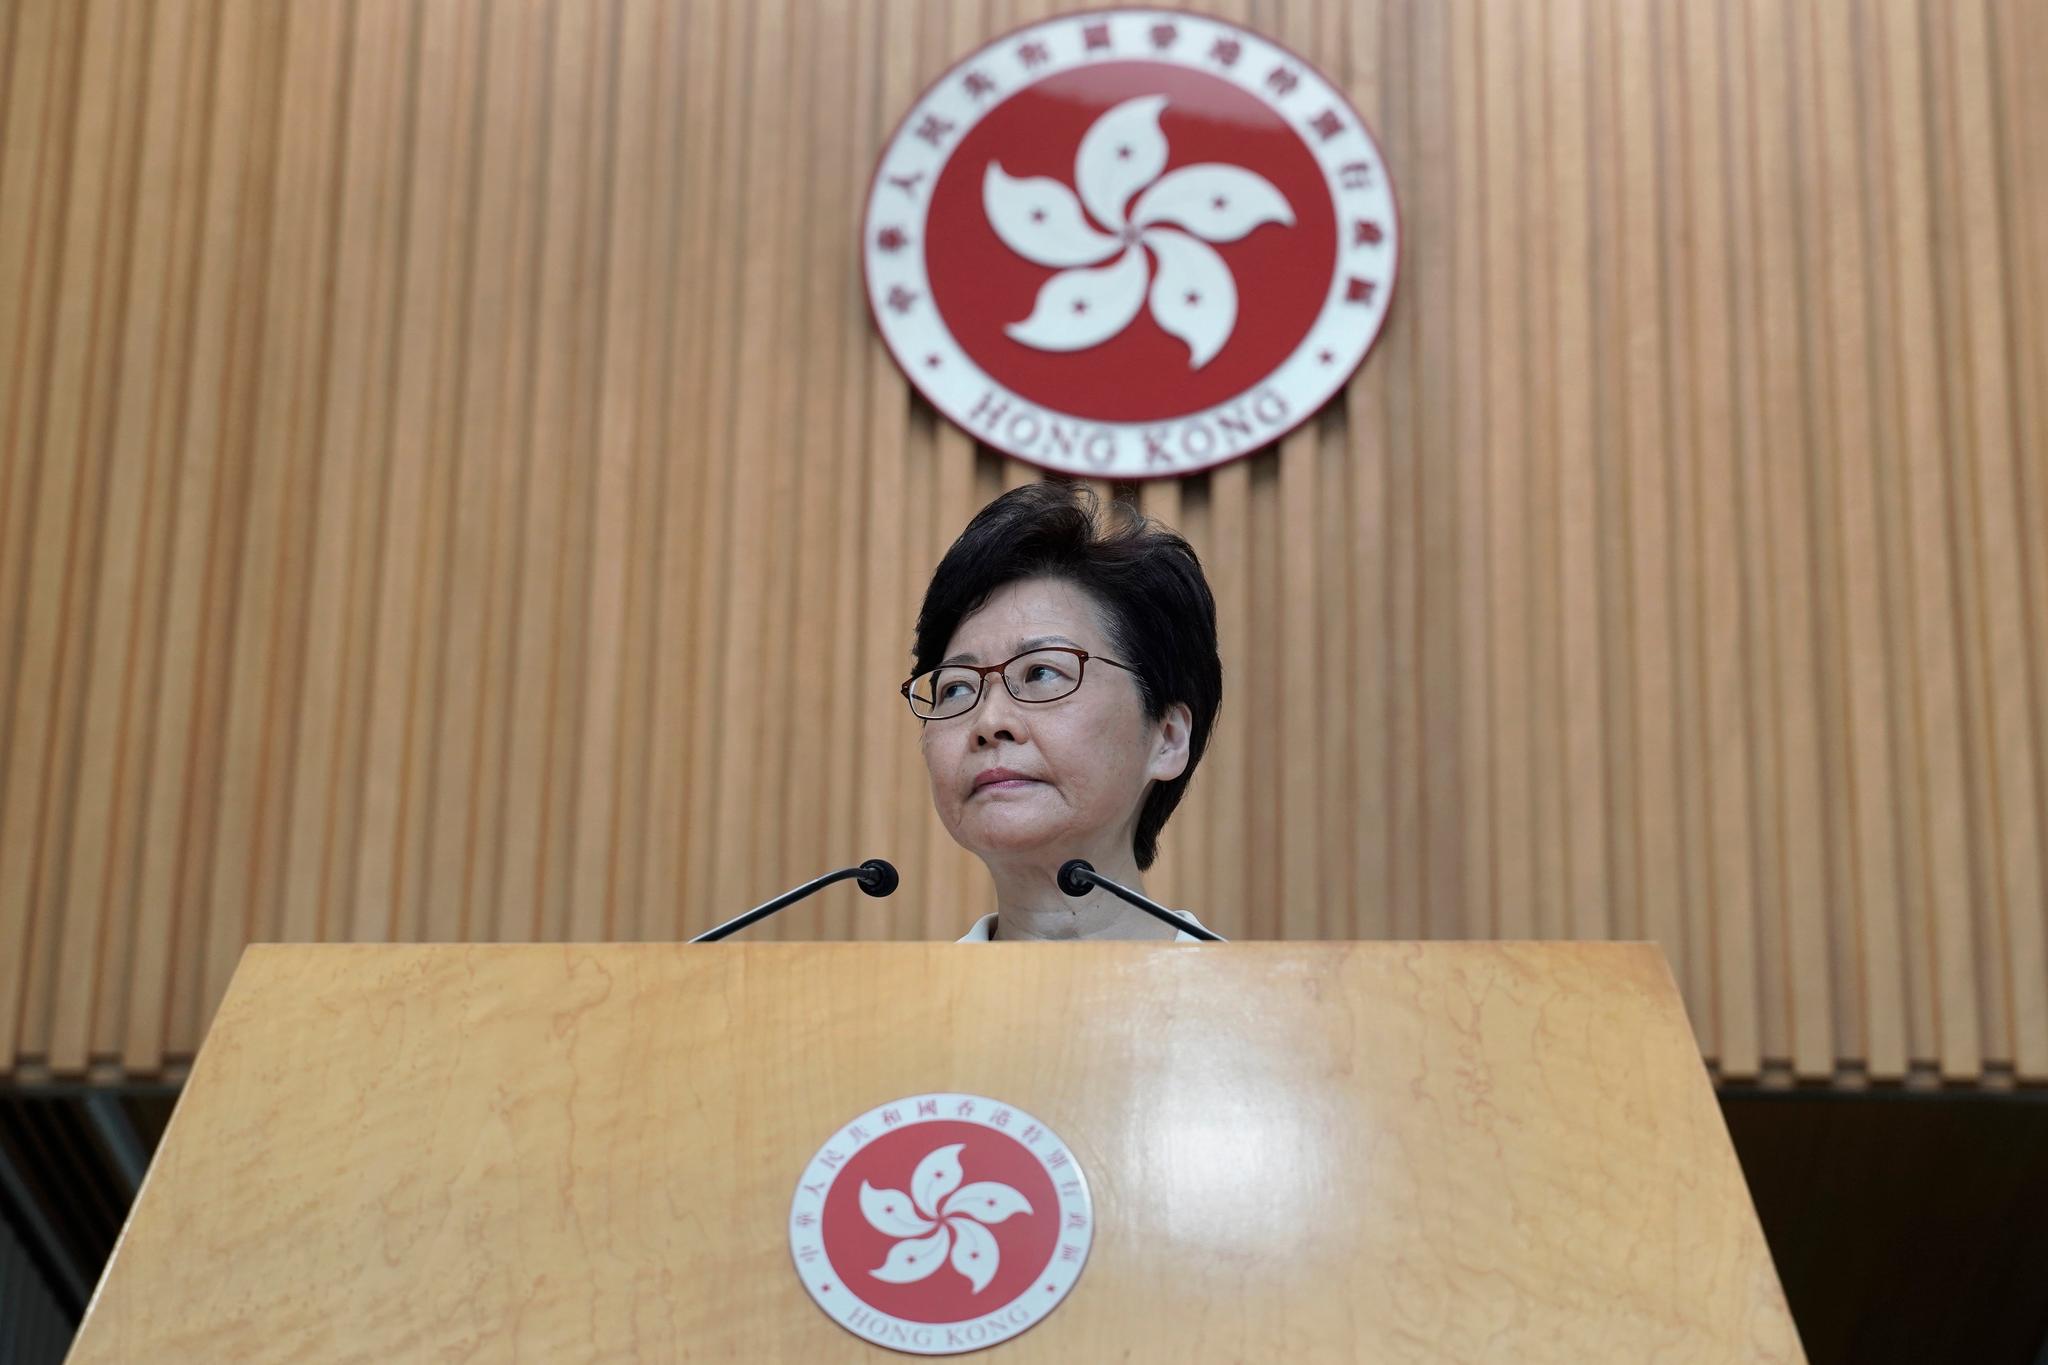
x: 877, y: 877
x: 1070, y: 878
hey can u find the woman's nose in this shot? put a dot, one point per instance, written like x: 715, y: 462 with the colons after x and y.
x: 998, y: 717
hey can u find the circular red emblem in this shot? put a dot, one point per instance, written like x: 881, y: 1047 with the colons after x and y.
x: 940, y: 1223
x: 1131, y: 243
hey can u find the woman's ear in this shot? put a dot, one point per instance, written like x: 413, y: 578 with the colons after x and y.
x: 1170, y: 744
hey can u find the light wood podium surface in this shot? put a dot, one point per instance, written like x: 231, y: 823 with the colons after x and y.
x: 1341, y: 1151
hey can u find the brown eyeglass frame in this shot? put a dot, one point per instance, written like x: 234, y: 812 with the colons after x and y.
x: 1080, y: 676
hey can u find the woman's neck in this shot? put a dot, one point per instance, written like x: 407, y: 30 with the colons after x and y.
x: 1030, y: 905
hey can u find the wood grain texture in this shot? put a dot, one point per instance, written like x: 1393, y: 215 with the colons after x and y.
x: 1391, y: 1151
x: 423, y: 424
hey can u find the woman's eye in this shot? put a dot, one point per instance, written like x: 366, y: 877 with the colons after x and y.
x: 952, y: 691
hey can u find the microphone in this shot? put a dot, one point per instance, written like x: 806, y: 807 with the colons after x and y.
x: 1077, y: 875
x: 876, y: 878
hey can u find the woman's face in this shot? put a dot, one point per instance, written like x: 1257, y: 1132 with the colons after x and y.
x: 1082, y: 763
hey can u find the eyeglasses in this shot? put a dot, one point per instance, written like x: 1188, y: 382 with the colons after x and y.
x: 1038, y: 675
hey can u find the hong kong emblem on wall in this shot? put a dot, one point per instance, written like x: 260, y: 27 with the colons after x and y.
x: 1130, y: 243
x: 937, y: 1224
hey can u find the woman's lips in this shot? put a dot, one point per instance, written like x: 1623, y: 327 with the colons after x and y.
x: 1002, y: 779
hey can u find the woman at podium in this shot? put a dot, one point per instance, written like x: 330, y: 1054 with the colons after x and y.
x: 1065, y: 683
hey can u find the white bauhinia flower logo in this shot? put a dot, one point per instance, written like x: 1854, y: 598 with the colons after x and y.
x: 1192, y: 293
x: 938, y: 1216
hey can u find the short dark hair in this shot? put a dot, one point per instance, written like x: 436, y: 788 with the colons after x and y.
x: 1160, y: 615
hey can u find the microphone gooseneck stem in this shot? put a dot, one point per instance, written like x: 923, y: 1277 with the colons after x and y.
x: 1077, y: 875
x: 877, y: 879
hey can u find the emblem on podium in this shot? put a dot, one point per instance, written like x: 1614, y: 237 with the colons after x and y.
x: 938, y: 1224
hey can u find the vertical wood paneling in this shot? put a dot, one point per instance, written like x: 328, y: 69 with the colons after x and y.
x: 888, y: 583
x: 671, y: 740
x: 449, y: 488
x: 821, y: 483
x: 1644, y: 465
x: 1715, y: 502
x: 1401, y: 438
x: 707, y: 430
x: 34, y: 487
x: 758, y: 394
x: 1930, y: 801
x: 321, y: 780
x: 1466, y: 828
x: 483, y: 473
x: 2009, y: 957
x: 2020, y: 128
x: 84, y: 390
x: 1301, y: 697
x: 1677, y: 229
x: 402, y: 650
x: 1753, y: 721
x: 1611, y: 456
x: 1437, y: 461
x: 1859, y: 573
x: 1798, y: 890
x: 1542, y: 693
x: 848, y: 707
x: 1512, y: 784
x: 1575, y: 529
x: 616, y: 528
x: 229, y: 336
x: 127, y: 625
x: 940, y: 494
x: 1952, y: 371
x: 1944, y: 889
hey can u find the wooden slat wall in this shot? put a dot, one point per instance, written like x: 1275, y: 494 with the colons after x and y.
x: 423, y: 423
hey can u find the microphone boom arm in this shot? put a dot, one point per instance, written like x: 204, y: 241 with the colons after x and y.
x: 877, y: 878
x: 1077, y: 875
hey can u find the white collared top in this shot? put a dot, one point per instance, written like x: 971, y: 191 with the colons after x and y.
x: 987, y: 923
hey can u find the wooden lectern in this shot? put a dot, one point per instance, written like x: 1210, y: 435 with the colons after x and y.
x: 1296, y: 1151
